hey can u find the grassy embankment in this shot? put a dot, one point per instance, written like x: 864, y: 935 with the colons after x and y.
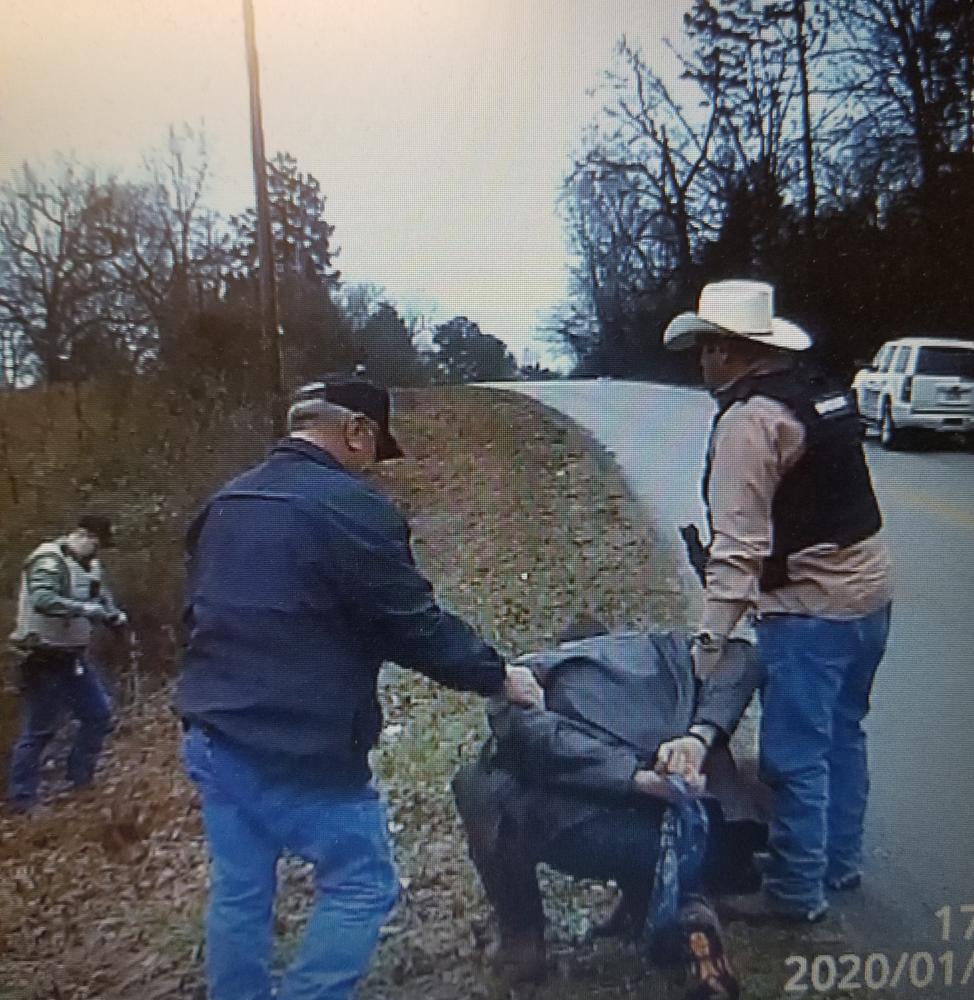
x: 519, y: 519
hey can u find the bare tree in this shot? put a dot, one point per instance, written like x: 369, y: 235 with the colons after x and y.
x: 759, y: 61
x: 611, y: 257
x: 56, y: 290
x: 906, y: 70
x: 168, y: 250
x: 647, y: 187
x: 643, y: 194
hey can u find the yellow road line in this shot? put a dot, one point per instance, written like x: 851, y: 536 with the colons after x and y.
x: 926, y: 503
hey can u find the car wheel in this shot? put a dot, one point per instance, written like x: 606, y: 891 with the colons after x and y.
x: 890, y: 436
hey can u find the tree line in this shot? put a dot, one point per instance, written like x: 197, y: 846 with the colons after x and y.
x: 107, y: 274
x: 824, y: 145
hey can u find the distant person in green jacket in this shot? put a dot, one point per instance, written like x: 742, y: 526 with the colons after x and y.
x: 62, y: 596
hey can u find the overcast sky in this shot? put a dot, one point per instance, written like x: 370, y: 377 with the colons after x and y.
x: 440, y: 130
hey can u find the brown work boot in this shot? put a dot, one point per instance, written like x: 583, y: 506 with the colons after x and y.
x: 521, y: 956
x: 707, y: 970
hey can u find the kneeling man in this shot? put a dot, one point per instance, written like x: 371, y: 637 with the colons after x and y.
x: 603, y: 782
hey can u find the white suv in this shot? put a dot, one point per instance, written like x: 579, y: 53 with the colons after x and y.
x: 918, y: 383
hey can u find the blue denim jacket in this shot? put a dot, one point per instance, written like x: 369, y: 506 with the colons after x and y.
x: 300, y: 583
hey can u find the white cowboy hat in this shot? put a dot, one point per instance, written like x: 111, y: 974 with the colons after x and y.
x: 736, y: 308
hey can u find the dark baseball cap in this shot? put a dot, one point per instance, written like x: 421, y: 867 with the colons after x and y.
x: 360, y: 396
x: 99, y: 526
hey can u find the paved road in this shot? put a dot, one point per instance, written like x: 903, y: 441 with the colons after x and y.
x: 922, y: 724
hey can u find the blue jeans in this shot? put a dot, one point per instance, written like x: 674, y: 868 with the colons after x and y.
x: 813, y: 749
x: 50, y: 682
x: 251, y: 817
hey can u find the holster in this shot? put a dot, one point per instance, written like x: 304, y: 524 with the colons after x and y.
x: 697, y: 553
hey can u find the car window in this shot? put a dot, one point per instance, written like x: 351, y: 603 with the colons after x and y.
x: 946, y: 361
x: 882, y: 359
x: 901, y: 359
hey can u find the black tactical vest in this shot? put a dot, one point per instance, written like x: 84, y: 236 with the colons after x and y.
x: 828, y: 495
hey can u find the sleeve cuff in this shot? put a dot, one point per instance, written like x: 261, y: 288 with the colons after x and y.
x: 709, y: 733
x: 721, y: 617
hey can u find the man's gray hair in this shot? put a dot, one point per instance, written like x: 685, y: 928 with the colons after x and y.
x: 314, y: 412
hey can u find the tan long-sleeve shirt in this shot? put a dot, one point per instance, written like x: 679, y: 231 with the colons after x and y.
x: 756, y: 443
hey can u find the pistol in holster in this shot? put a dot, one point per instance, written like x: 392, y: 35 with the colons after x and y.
x: 697, y: 553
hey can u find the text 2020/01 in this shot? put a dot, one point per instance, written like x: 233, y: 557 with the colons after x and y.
x: 879, y: 970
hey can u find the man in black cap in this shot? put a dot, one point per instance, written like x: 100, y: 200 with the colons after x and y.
x: 301, y: 583
x: 61, y: 596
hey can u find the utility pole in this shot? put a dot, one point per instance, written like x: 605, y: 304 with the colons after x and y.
x: 266, y: 275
